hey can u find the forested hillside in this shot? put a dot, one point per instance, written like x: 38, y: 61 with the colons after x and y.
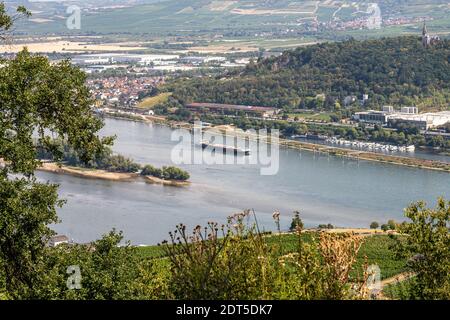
x: 397, y: 71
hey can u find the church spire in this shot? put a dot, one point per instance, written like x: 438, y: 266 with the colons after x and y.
x: 424, y: 31
x: 427, y: 39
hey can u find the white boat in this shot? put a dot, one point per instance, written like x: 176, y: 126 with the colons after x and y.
x: 371, y: 145
x: 224, y: 148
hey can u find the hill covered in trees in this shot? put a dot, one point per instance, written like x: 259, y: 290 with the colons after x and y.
x: 398, y: 71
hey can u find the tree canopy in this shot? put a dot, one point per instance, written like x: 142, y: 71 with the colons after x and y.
x: 39, y: 101
x: 390, y: 70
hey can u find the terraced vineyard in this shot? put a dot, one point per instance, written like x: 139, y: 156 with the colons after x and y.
x: 238, y: 17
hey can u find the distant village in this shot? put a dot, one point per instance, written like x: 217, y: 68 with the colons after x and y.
x: 143, y: 72
x: 124, y: 92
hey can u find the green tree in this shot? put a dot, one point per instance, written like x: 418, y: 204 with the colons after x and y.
x: 150, y: 170
x: 427, y: 246
x: 109, y: 270
x: 374, y: 225
x: 392, y: 224
x: 7, y: 21
x: 297, y: 222
x: 174, y: 173
x: 45, y: 99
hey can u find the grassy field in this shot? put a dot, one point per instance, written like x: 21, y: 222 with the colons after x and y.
x: 150, y: 102
x: 375, y: 248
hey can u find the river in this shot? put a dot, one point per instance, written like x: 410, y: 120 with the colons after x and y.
x: 325, y: 189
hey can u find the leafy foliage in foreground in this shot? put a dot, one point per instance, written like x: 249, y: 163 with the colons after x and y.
x: 236, y: 262
x: 375, y: 249
x: 428, y: 246
x: 401, y: 290
x: 36, y: 97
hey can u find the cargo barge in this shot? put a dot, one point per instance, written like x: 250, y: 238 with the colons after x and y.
x: 225, y: 149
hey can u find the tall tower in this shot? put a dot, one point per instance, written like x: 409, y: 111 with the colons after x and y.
x: 426, y: 39
x: 424, y: 30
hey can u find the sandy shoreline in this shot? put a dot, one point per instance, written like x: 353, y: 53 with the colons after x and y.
x: 87, y: 173
x: 106, y: 175
x: 299, y: 145
x: 173, y: 183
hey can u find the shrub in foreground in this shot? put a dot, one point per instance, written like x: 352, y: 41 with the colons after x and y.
x: 427, y: 246
x: 234, y: 261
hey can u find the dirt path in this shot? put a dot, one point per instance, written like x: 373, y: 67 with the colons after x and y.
x: 398, y: 278
x: 393, y: 280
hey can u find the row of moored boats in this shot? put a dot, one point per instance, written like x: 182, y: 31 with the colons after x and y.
x: 371, y: 145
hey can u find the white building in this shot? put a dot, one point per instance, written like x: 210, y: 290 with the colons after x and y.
x: 423, y: 121
x: 109, y: 58
x: 407, y: 115
x: 197, y: 60
x: 410, y: 110
x: 58, y: 240
x: 389, y: 109
x: 372, y: 116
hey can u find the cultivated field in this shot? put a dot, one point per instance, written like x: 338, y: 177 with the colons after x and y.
x: 150, y: 102
x: 67, y: 46
x: 214, y: 16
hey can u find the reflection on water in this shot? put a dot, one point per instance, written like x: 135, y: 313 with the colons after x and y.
x: 325, y: 189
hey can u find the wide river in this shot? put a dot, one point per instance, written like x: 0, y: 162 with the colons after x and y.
x: 325, y: 189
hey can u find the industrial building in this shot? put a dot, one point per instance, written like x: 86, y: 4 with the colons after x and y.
x: 109, y: 58
x: 372, y: 116
x: 407, y: 115
x: 195, y: 60
x: 423, y: 121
